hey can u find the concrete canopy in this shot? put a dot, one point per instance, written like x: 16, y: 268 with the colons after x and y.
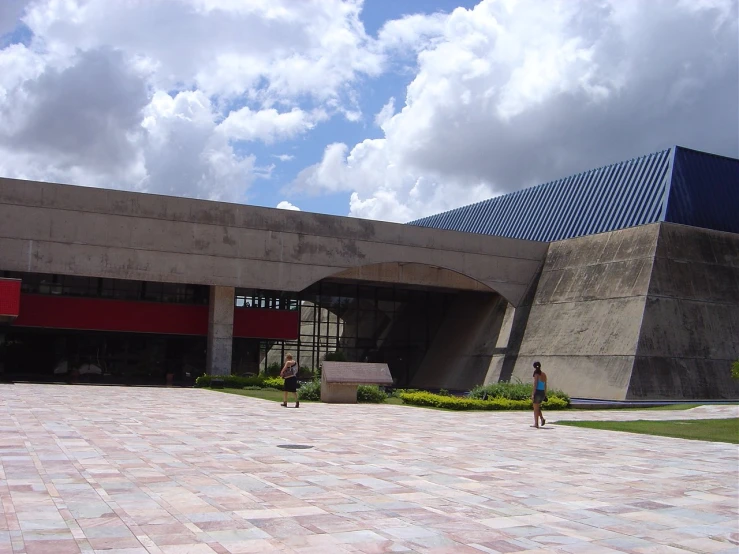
x: 52, y: 228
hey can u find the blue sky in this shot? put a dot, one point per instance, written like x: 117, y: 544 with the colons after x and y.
x: 373, y: 94
x: 490, y: 98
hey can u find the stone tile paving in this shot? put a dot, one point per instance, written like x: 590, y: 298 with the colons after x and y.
x: 177, y: 471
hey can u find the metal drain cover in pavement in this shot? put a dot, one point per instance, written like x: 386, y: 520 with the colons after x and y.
x: 295, y: 446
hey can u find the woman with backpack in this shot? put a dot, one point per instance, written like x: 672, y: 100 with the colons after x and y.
x: 290, y: 374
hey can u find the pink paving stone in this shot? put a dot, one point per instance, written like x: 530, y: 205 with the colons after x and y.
x: 166, y: 540
x: 188, y: 549
x: 114, y: 542
x: 51, y: 547
x: 195, y: 472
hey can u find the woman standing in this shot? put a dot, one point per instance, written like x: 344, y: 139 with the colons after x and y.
x: 539, y: 394
x: 290, y: 374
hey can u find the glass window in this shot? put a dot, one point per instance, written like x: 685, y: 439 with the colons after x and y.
x: 401, y: 295
x: 130, y: 290
x: 330, y: 289
x: 366, y: 293
x: 76, y: 286
x: 153, y: 292
x: 417, y: 331
x: 385, y: 293
x: 348, y: 290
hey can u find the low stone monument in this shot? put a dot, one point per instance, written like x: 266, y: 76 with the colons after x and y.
x: 339, y: 380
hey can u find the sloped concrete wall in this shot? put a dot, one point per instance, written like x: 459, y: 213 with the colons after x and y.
x: 464, y: 346
x: 585, y: 319
x: 690, y: 329
x: 509, y: 340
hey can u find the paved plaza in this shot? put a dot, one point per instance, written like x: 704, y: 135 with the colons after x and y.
x: 187, y: 471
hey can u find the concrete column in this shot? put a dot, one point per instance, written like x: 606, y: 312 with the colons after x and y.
x: 501, y: 347
x: 220, y: 330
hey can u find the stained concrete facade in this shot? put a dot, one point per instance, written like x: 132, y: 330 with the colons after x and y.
x: 690, y: 328
x: 68, y: 230
x: 50, y: 228
x: 642, y: 313
x: 646, y: 312
x: 220, y: 330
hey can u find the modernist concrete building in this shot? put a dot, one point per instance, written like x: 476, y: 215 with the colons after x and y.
x: 623, y: 281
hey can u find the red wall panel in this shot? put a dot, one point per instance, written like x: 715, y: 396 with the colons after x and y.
x: 63, y: 312
x: 266, y: 324
x: 97, y: 314
x: 10, y: 297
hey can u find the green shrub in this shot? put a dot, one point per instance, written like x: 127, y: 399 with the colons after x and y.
x: 310, y: 391
x: 457, y: 403
x: 274, y: 382
x: 231, y: 381
x: 371, y: 393
x: 249, y: 383
x: 735, y: 370
x: 337, y: 356
x: 397, y: 392
x: 513, y: 391
x: 306, y: 373
x: 273, y: 370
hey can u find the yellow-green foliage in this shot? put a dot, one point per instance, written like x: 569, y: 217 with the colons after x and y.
x: 457, y: 403
x: 238, y: 382
x: 274, y: 382
x: 735, y: 370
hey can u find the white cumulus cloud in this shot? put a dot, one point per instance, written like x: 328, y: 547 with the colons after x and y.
x: 500, y: 96
x: 386, y: 113
x: 268, y: 125
x: 104, y: 94
x: 509, y: 94
x: 285, y: 205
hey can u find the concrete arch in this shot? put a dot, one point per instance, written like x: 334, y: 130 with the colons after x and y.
x: 413, y: 273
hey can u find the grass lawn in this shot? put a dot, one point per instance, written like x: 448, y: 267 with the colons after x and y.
x: 276, y: 395
x: 264, y: 394
x: 651, y: 408
x: 714, y: 430
x: 674, y: 407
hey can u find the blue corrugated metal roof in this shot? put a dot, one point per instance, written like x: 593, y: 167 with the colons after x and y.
x: 677, y: 185
x: 704, y: 191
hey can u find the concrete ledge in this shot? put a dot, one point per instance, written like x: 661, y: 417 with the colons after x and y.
x: 595, y: 404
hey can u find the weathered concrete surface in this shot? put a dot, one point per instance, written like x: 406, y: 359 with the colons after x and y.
x: 52, y: 228
x: 503, y: 345
x: 690, y: 330
x: 503, y: 371
x: 463, y: 347
x: 648, y: 312
x: 220, y: 330
x: 586, y: 314
x: 412, y: 274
